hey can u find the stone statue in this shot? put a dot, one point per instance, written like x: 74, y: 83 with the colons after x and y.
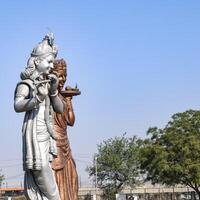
x: 37, y: 95
x: 64, y: 165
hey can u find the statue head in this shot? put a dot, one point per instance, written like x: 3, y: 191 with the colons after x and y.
x: 60, y: 68
x: 41, y: 59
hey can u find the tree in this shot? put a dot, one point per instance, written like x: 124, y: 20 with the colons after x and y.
x: 172, y: 155
x: 1, y: 179
x: 117, y: 165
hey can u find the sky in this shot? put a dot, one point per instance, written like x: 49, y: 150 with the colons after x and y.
x: 135, y: 62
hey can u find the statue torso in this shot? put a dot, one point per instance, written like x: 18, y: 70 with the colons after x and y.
x: 62, y: 142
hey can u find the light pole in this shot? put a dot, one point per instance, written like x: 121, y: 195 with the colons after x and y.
x: 95, y: 176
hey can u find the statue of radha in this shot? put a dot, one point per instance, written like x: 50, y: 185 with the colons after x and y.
x: 37, y: 95
x: 63, y: 165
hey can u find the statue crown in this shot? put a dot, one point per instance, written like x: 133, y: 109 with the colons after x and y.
x: 46, y: 47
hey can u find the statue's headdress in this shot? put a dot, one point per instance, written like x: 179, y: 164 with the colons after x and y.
x: 60, y: 67
x: 46, y: 47
x: 43, y: 49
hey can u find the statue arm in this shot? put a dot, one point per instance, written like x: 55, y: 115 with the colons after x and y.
x: 21, y: 101
x: 57, y: 104
x: 70, y: 112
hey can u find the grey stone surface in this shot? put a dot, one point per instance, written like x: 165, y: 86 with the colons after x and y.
x: 36, y: 95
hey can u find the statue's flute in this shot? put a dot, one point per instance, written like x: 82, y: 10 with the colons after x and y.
x: 37, y: 82
x: 41, y: 82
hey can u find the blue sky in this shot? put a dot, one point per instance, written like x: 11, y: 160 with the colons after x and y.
x: 136, y: 63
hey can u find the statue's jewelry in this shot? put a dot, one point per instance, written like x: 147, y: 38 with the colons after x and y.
x: 53, y: 95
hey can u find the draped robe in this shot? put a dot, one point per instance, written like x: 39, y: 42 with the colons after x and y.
x: 38, y: 143
x: 64, y: 165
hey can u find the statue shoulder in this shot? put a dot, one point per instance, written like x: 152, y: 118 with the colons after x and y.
x: 27, y: 82
x: 24, y: 87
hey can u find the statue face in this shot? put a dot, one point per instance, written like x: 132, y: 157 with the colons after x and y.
x: 61, y: 78
x: 61, y: 71
x: 45, y: 65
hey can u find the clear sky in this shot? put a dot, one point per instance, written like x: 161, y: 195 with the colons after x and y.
x: 136, y: 63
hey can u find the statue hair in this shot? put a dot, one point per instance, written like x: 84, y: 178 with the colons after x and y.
x: 29, y: 69
x: 60, y: 65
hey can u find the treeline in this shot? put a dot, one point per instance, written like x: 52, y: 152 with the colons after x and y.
x: 169, y: 156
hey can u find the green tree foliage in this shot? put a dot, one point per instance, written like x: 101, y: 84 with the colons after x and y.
x: 1, y: 178
x: 117, y: 165
x: 172, y: 155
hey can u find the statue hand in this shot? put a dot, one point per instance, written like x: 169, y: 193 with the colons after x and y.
x: 42, y: 92
x: 53, y: 83
x: 69, y: 98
